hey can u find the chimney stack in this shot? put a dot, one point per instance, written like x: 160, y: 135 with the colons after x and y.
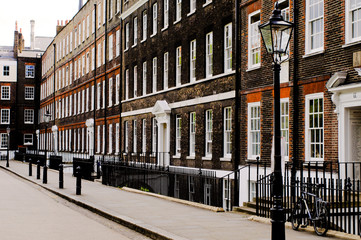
x: 32, y: 35
x: 16, y: 25
x: 80, y: 4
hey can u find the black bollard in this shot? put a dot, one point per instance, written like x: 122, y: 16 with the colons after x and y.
x: 30, y: 168
x: 38, y: 170
x: 78, y: 180
x: 45, y: 173
x: 61, y: 176
x: 98, y: 169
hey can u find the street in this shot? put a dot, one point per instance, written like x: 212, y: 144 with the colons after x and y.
x: 29, y: 212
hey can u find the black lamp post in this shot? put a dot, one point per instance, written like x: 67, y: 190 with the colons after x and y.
x: 7, y: 156
x: 47, y: 116
x: 276, y: 35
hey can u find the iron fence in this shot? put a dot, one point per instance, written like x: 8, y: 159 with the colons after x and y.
x: 189, y: 184
x: 341, y: 189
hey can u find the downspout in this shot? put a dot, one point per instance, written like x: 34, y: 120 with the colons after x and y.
x: 106, y: 76
x: 95, y: 79
x: 54, y: 105
x: 121, y: 88
x: 295, y: 135
x: 237, y: 105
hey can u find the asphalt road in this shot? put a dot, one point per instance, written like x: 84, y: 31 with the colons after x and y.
x: 28, y: 212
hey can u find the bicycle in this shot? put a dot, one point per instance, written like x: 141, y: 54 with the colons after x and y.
x: 318, y: 216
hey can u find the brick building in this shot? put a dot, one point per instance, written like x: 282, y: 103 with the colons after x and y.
x: 20, y: 85
x: 158, y: 81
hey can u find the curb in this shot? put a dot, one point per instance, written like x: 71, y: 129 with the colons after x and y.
x: 176, y: 200
x: 142, y: 228
x: 330, y: 233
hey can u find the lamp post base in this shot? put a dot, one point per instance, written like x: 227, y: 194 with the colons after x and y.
x: 278, y: 223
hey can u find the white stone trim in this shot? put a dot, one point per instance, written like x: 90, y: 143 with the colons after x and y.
x: 133, y: 9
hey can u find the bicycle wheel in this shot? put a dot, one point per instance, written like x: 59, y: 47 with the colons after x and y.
x: 296, y: 218
x: 321, y: 223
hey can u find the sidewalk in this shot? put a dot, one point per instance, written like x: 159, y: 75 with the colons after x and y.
x: 155, y: 217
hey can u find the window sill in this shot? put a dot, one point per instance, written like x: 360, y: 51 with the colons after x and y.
x: 253, y: 68
x: 126, y: 50
x: 191, y: 13
x: 191, y: 157
x: 153, y: 35
x: 178, y: 21
x: 225, y: 159
x: 207, y: 3
x: 176, y: 156
x: 350, y: 44
x: 143, y: 40
x: 165, y: 28
x: 133, y: 46
x: 207, y: 158
x: 311, y: 54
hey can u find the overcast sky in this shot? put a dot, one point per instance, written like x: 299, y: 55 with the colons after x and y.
x: 44, y: 12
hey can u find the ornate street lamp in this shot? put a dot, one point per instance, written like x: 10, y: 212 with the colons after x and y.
x: 7, y: 156
x: 276, y: 35
x: 47, y: 116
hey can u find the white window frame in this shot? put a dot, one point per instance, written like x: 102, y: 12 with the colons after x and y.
x: 5, y: 92
x: 126, y: 36
x: 126, y: 137
x: 154, y: 136
x: 348, y: 22
x: 110, y: 86
x: 308, y: 129
x: 285, y: 130
x: 117, y: 136
x: 28, y: 137
x: 29, y: 95
x: 117, y: 87
x: 178, y: 9
x: 209, y: 133
x: 126, y: 84
x: 29, y: 116
x: 29, y: 71
x: 110, y: 139
x: 6, y: 70
x: 227, y: 132
x: 228, y: 47
x: 117, y: 44
x: 192, y: 6
x: 253, y: 51
x: 193, y: 59
x: 135, y: 31
x: 135, y: 81
x: 4, y: 140
x: 144, y: 30
x: 144, y: 136
x: 178, y: 72
x: 308, y: 37
x: 166, y: 14
x: 255, y: 106
x: 135, y: 136
x: 7, y: 112
x: 154, y: 74
x: 155, y: 18
x: 165, y: 70
x: 192, y: 133
x: 209, y: 54
x: 178, y: 135
x: 144, y: 76
x: 110, y: 47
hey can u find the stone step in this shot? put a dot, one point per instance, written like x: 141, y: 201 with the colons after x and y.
x: 247, y: 210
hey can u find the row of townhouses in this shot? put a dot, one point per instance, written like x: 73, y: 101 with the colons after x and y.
x: 189, y: 84
x: 20, y: 77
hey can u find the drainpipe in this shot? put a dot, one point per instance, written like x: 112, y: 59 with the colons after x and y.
x: 54, y: 105
x: 106, y: 76
x: 95, y: 74
x: 295, y: 135
x: 237, y: 105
